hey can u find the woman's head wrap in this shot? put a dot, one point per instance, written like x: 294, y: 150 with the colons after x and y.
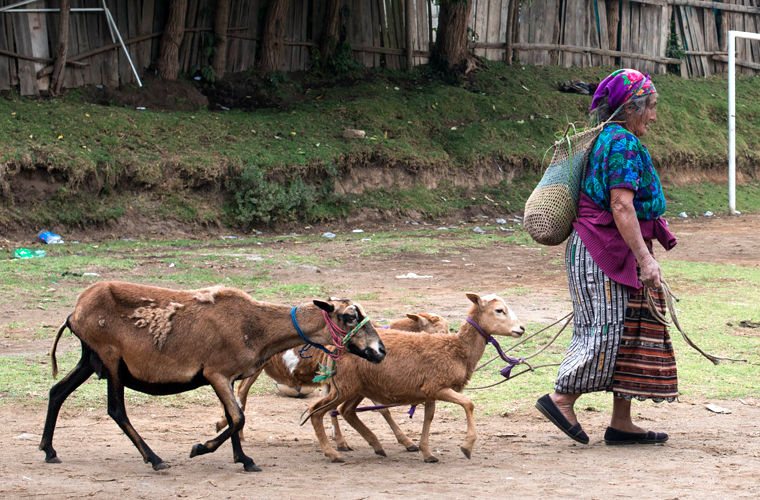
x: 621, y: 86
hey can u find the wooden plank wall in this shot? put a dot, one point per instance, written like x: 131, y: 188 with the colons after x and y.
x: 537, y: 26
x: 376, y: 30
x: 489, y: 21
x: 643, y: 35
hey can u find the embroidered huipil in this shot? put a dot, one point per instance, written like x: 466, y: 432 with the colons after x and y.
x: 619, y: 160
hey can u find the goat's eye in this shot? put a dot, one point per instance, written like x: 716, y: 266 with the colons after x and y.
x: 500, y: 311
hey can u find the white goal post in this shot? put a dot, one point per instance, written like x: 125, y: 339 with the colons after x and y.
x: 732, y: 35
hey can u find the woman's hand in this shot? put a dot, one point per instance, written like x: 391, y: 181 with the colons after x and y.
x: 621, y: 203
x: 651, y: 274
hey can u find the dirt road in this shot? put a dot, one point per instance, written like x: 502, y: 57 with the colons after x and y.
x: 519, y: 455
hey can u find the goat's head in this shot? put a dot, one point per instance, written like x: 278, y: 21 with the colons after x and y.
x: 365, y: 342
x: 430, y: 323
x: 494, y: 315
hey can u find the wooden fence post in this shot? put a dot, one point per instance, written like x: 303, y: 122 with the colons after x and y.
x: 409, y: 21
x: 56, y: 81
x: 221, y: 20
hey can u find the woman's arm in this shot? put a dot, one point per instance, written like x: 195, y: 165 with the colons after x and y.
x: 621, y: 203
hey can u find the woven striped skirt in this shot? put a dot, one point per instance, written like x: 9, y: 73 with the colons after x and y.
x: 616, y: 345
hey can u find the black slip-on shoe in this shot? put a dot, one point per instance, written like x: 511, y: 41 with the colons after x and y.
x: 615, y: 437
x: 546, y: 406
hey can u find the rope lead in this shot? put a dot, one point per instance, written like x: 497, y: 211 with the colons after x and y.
x: 670, y: 300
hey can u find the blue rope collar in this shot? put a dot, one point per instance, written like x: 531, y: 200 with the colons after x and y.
x: 306, y: 339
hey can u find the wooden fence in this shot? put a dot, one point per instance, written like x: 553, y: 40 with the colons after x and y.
x: 632, y: 33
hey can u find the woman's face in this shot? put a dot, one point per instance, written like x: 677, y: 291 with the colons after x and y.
x: 638, y: 124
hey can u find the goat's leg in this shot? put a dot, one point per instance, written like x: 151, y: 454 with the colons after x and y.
x: 452, y: 396
x: 348, y: 411
x: 425, y: 437
x: 118, y: 412
x: 340, y: 440
x: 401, y: 437
x: 235, y: 421
x: 58, y: 394
x: 244, y: 386
x: 318, y: 410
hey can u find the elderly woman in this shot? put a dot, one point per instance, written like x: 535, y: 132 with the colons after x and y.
x: 617, y: 345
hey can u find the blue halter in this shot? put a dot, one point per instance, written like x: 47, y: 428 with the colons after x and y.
x: 306, y: 339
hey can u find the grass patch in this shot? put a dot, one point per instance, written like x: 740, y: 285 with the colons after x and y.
x: 696, y: 199
x: 248, y: 168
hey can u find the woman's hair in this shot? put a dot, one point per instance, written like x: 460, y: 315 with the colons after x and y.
x: 636, y: 107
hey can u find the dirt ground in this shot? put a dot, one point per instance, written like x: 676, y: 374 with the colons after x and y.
x: 708, y: 455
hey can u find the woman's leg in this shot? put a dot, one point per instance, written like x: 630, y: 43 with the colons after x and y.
x: 565, y: 403
x: 599, y: 312
x: 621, y: 416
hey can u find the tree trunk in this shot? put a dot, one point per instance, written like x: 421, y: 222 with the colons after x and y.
x: 220, y: 32
x: 168, y: 58
x: 272, y: 38
x: 330, y: 34
x: 56, y: 82
x: 450, y: 50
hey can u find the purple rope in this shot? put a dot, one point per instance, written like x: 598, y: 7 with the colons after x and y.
x: 507, y: 370
x: 335, y: 413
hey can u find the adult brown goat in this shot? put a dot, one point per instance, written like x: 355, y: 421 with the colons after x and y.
x: 161, y: 341
x: 291, y: 369
x: 418, y: 369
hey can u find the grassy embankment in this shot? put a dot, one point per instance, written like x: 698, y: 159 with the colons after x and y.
x: 247, y: 168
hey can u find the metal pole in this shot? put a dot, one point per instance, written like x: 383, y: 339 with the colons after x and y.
x: 17, y: 4
x: 732, y: 35
x: 108, y: 22
x: 78, y: 9
x: 731, y: 122
x: 112, y: 23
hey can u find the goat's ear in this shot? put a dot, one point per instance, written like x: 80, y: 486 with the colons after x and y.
x: 421, y: 320
x: 474, y: 298
x: 325, y: 306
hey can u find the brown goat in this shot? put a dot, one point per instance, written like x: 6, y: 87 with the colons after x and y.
x: 418, y: 369
x: 161, y: 341
x: 291, y: 369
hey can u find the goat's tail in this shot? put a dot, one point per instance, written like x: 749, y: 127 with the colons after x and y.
x: 53, y: 361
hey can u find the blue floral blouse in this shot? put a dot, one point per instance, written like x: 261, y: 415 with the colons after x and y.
x: 619, y: 160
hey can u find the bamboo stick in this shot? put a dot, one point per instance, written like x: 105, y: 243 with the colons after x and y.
x: 704, y: 5
x: 572, y: 48
x: 745, y: 64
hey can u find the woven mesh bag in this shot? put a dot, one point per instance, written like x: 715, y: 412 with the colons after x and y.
x: 553, y: 205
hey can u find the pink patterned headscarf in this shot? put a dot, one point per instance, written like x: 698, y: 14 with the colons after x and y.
x: 621, y: 86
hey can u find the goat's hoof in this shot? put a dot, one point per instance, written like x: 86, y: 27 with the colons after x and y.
x: 381, y: 453
x: 467, y: 453
x: 412, y: 447
x: 431, y: 460
x: 337, y: 460
x: 198, y: 449
x: 345, y: 448
x: 53, y: 460
x: 161, y: 466
x: 251, y: 467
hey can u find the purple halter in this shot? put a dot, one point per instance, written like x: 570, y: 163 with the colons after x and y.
x: 507, y: 370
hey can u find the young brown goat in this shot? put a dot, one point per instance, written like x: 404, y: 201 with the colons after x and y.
x: 291, y: 369
x: 162, y: 341
x: 418, y: 369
